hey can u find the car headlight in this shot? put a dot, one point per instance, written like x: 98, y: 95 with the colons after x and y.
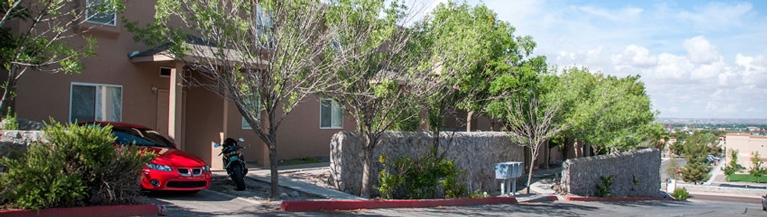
x: 206, y: 168
x: 159, y: 167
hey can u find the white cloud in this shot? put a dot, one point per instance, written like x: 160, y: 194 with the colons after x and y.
x: 710, y: 70
x: 700, y: 50
x: 635, y: 56
x: 672, y: 66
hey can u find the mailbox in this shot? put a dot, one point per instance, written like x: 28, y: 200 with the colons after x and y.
x: 508, y: 170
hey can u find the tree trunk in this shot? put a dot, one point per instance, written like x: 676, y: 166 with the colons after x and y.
x: 565, y: 149
x: 366, y: 172
x: 530, y: 172
x: 8, y: 96
x: 275, y: 194
x: 547, y: 152
x: 469, y: 117
x: 578, y: 148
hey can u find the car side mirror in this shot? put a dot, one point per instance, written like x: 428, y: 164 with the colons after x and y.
x: 216, y: 145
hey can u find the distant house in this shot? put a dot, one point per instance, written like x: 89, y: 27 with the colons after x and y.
x: 746, y: 144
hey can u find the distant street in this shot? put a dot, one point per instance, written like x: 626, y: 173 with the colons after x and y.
x: 737, y: 199
x: 663, y: 164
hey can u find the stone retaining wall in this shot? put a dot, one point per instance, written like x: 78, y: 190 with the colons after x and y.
x: 635, y: 174
x: 16, y: 141
x: 476, y: 152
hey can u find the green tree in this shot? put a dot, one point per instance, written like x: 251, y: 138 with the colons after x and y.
x: 756, y: 170
x: 532, y: 123
x: 527, y: 106
x: 732, y: 167
x: 470, y: 47
x: 672, y: 167
x: 264, y: 56
x: 573, y: 86
x: 696, y: 148
x: 39, y: 36
x: 623, y: 114
x: 677, y: 147
x: 382, y: 69
x: 478, y: 49
x: 610, y: 113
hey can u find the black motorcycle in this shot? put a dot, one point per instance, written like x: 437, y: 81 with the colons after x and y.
x: 234, y: 161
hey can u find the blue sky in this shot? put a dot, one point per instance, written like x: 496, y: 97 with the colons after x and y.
x: 698, y: 59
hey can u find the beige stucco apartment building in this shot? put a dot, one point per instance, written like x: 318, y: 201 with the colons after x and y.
x: 746, y: 144
x: 152, y: 90
x: 128, y: 81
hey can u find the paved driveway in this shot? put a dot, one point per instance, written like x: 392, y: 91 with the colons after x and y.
x: 208, y: 203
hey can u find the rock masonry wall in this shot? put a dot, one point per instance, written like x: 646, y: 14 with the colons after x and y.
x: 635, y: 174
x: 475, y: 152
x: 16, y: 142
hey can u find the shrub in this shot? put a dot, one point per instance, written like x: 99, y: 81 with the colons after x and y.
x: 78, y: 166
x: 421, y: 178
x: 604, y: 189
x: 681, y: 194
x: 10, y: 122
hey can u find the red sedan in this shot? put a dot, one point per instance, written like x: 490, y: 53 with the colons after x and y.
x: 172, y: 169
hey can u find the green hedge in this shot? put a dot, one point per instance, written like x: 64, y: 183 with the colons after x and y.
x: 421, y: 178
x: 79, y: 166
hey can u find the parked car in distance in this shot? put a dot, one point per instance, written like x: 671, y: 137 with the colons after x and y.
x: 172, y: 169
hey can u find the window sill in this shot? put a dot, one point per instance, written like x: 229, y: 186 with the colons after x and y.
x: 99, y: 29
x: 331, y: 128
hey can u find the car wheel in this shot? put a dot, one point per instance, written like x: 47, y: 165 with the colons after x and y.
x: 237, y: 177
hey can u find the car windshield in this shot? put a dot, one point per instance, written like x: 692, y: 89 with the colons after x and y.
x: 140, y: 137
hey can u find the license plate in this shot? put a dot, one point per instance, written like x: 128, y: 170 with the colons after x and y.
x: 233, y: 158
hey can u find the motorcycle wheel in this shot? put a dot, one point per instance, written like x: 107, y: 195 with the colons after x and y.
x: 238, y: 177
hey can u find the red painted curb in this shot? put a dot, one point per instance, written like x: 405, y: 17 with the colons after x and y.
x: 316, y: 205
x: 613, y: 199
x: 95, y: 211
x: 553, y: 198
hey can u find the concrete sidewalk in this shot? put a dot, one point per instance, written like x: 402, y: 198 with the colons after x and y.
x: 263, y: 174
x: 540, y: 182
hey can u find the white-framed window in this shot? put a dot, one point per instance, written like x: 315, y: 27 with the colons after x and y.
x: 254, y: 104
x: 100, y: 11
x: 331, y: 114
x: 95, y: 102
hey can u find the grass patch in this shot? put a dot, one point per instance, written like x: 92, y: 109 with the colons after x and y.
x: 745, y: 178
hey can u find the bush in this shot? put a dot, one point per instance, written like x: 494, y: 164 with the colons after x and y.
x: 10, y: 122
x: 421, y: 178
x: 604, y: 189
x: 681, y: 194
x: 79, y: 166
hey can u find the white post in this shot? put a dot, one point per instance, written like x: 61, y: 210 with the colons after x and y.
x: 514, y: 187
x: 503, y: 187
